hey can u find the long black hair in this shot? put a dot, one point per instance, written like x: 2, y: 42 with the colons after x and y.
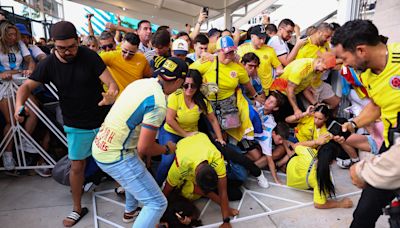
x: 198, y: 98
x: 326, y: 154
x: 324, y: 109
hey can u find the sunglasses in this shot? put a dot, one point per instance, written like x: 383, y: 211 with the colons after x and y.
x: 109, y: 46
x: 189, y: 85
x: 129, y: 53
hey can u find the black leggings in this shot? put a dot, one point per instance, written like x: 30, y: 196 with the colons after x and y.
x: 228, y: 151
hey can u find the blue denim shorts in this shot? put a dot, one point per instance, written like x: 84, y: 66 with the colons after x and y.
x: 79, y: 142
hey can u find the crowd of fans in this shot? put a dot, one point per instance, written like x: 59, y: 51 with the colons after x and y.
x: 216, y: 106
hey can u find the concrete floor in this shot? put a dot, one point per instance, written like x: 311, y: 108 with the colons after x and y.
x: 32, y: 201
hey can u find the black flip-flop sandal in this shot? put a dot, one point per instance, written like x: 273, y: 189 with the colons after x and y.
x: 76, y: 217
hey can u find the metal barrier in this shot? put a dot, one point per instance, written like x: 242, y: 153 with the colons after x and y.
x: 17, y: 133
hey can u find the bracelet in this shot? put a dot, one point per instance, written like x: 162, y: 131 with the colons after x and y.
x: 354, y: 125
x: 167, y: 149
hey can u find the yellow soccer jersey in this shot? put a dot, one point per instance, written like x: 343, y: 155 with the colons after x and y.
x: 268, y: 61
x: 306, y: 129
x: 384, y: 89
x: 187, y: 118
x: 141, y: 104
x: 230, y: 75
x: 310, y: 50
x: 300, y: 72
x: 124, y: 71
x: 190, y: 152
x: 296, y: 172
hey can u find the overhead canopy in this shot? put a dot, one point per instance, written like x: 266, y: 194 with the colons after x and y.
x: 174, y: 13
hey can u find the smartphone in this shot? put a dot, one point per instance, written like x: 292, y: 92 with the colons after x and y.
x: 205, y: 10
x: 335, y: 128
x: 89, y: 15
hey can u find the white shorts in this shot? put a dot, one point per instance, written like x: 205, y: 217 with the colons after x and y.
x: 323, y: 92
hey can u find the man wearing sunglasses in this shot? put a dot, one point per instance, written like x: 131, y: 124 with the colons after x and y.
x: 77, y: 72
x: 127, y: 64
x: 107, y: 42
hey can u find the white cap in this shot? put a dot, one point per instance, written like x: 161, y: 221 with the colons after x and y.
x: 180, y: 47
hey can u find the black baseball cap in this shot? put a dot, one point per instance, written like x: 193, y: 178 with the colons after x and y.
x: 63, y: 30
x: 258, y: 30
x: 172, y: 69
x: 207, y: 178
x: 213, y: 31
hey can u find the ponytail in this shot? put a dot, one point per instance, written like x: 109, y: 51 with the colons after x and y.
x: 326, y: 154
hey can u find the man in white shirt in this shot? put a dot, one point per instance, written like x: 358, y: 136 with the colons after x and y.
x: 26, y: 37
x: 278, y: 42
x: 144, y: 33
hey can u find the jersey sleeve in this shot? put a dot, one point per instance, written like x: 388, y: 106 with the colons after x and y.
x: 107, y: 57
x: 218, y: 164
x: 147, y: 69
x: 275, y: 61
x: 243, y: 76
x: 174, y: 177
x: 173, y: 101
x: 96, y: 62
x: 36, y: 51
x: 280, y: 48
x: 155, y: 117
x: 24, y: 50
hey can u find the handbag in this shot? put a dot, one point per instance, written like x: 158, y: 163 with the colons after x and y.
x: 226, y: 110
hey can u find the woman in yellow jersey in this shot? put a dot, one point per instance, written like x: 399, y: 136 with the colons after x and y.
x: 310, y: 168
x: 311, y: 124
x: 183, y: 114
x: 225, y: 72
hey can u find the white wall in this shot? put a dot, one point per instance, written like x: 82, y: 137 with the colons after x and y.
x: 387, y: 19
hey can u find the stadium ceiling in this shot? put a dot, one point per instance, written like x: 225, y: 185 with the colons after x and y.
x: 174, y: 13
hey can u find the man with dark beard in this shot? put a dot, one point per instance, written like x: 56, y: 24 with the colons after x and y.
x: 77, y: 72
x: 359, y: 45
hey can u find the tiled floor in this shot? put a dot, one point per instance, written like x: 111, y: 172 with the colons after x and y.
x: 37, y: 202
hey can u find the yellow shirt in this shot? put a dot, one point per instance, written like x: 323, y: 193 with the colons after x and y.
x: 300, y: 72
x: 230, y: 75
x: 141, y: 104
x: 212, y: 48
x: 126, y: 71
x: 268, y: 61
x: 190, y: 152
x: 310, y: 50
x: 306, y: 129
x: 384, y: 89
x: 296, y: 172
x: 187, y: 118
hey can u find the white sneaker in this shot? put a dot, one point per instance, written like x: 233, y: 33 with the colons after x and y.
x: 28, y: 147
x: 262, y: 181
x: 344, y: 163
x: 43, y: 172
x: 8, y: 161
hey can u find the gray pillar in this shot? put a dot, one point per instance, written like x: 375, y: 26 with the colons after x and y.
x: 228, y: 18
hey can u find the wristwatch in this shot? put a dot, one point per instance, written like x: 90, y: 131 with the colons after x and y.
x: 227, y: 220
x: 255, y: 95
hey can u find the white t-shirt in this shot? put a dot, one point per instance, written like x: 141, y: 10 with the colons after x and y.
x: 268, y: 124
x: 35, y: 51
x: 278, y: 45
x: 14, y: 59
